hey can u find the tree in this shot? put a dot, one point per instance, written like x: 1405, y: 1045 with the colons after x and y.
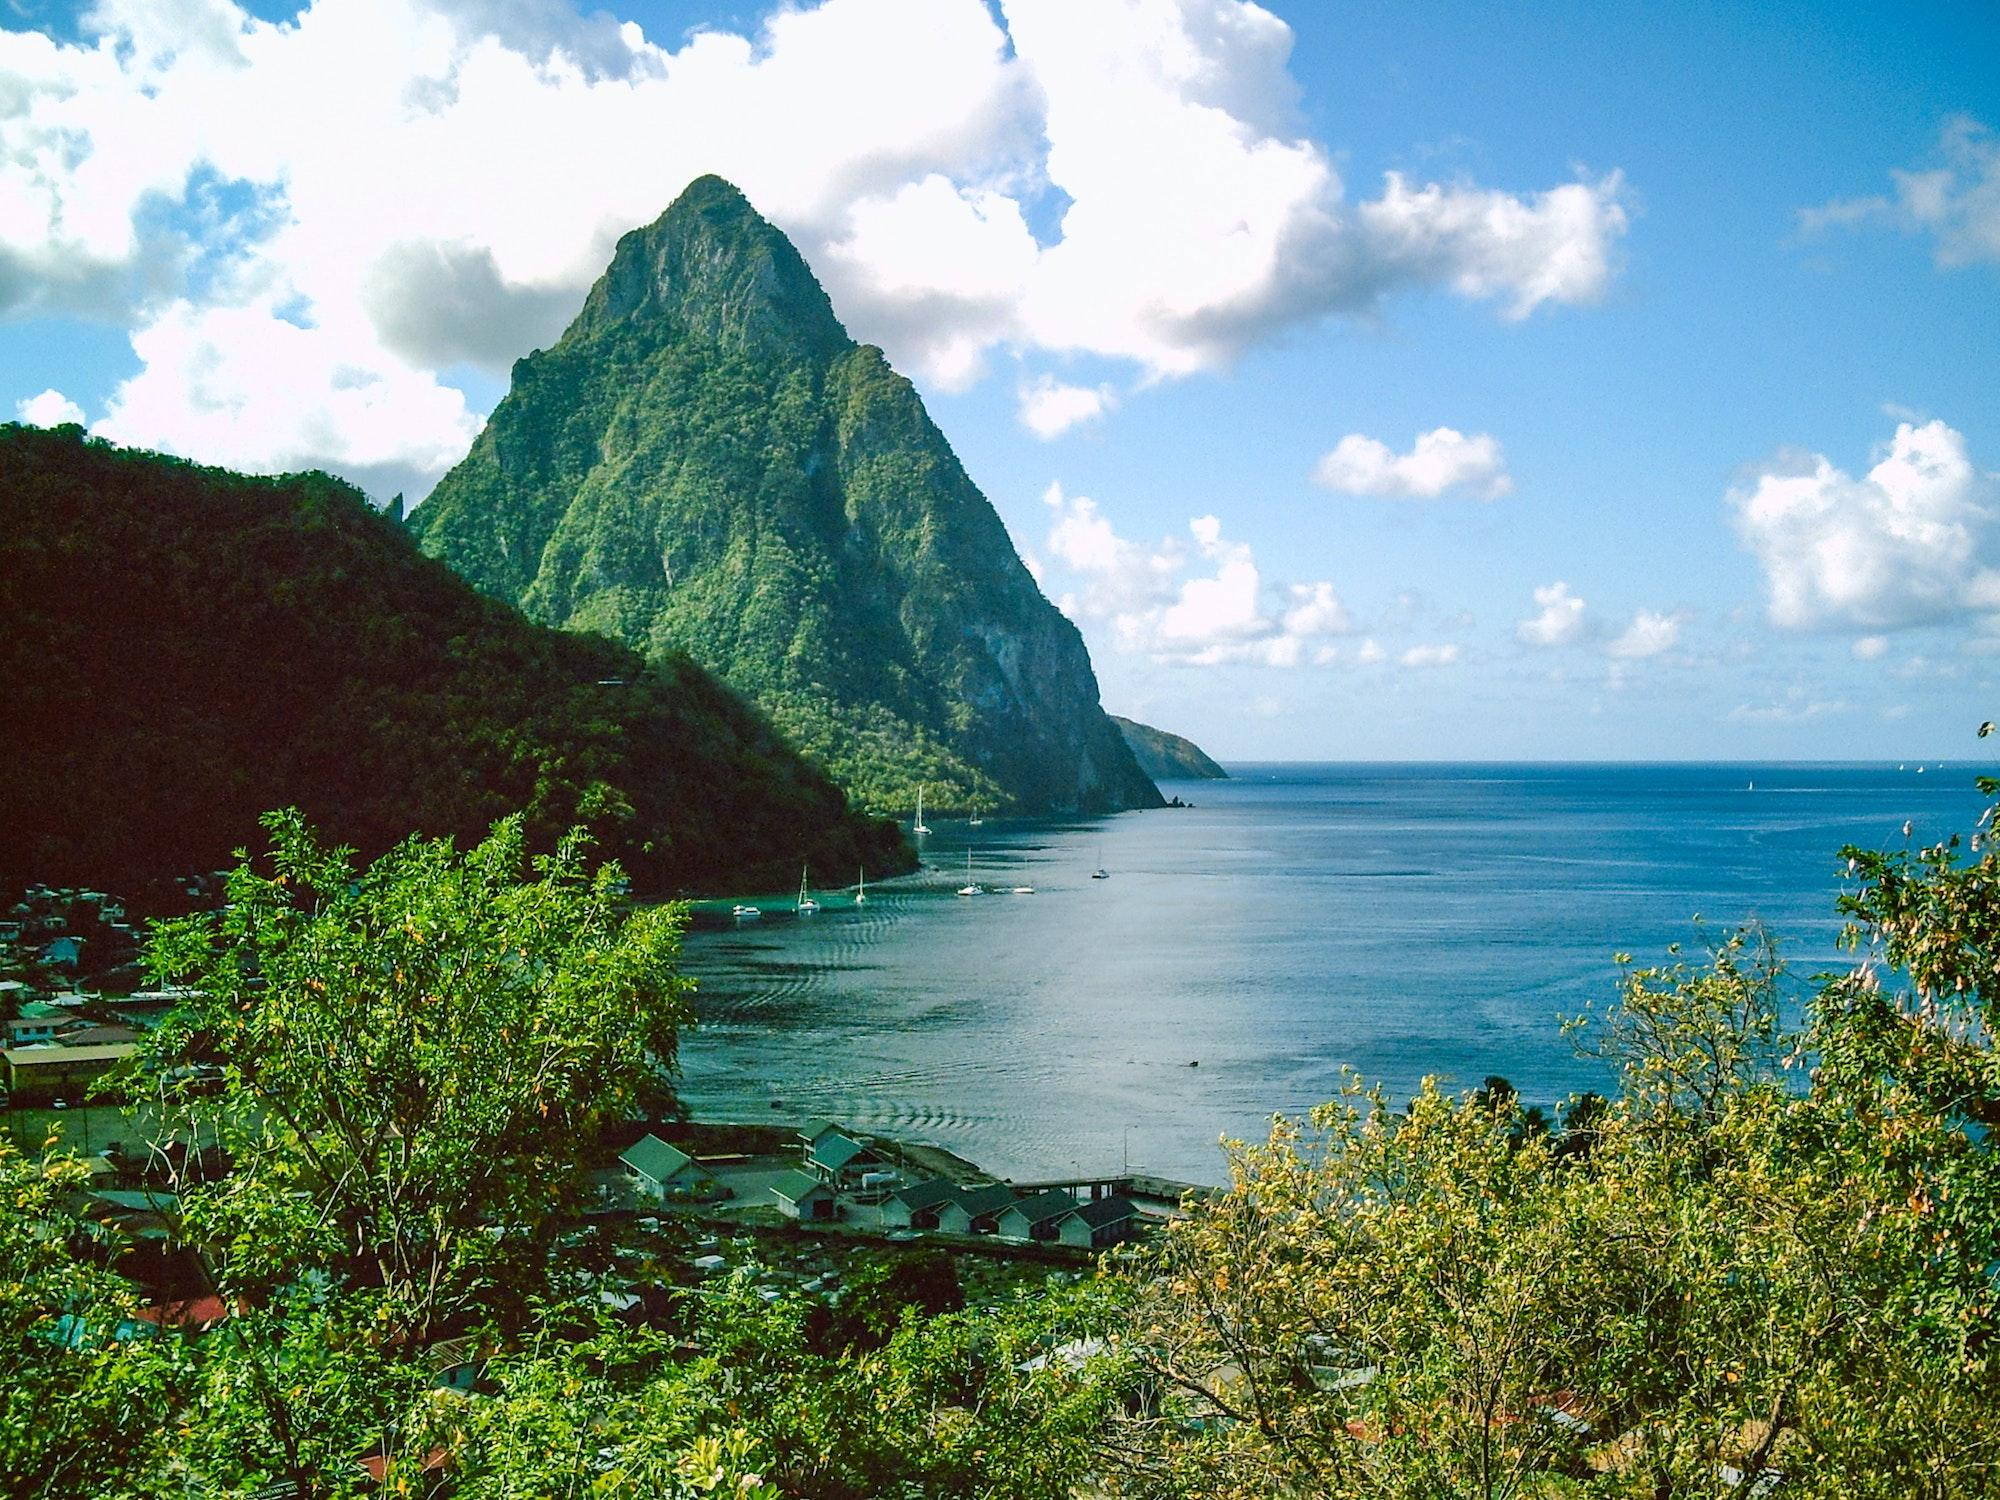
x: 1745, y: 1273
x: 405, y: 1065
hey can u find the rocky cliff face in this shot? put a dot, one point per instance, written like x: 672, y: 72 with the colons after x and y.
x: 705, y: 462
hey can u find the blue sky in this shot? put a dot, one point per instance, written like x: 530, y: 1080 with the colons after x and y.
x: 1650, y: 280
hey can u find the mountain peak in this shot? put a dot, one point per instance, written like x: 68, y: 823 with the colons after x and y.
x: 706, y: 463
x: 717, y: 269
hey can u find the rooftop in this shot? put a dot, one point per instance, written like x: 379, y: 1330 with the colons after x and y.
x: 796, y: 1187
x: 836, y: 1150
x: 652, y: 1157
x: 46, y: 1055
x: 1102, y: 1211
x: 979, y: 1202
x: 1043, y: 1207
x: 921, y: 1195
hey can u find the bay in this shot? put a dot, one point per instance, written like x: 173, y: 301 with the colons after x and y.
x: 1401, y: 920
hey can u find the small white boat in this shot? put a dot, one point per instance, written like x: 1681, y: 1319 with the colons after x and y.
x: 807, y: 906
x: 975, y: 821
x: 744, y: 913
x: 918, y: 826
x: 1100, y: 873
x: 861, y: 890
x: 970, y: 888
x: 1024, y: 890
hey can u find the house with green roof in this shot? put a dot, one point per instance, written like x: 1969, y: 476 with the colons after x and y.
x: 1101, y: 1222
x: 974, y: 1210
x: 659, y: 1170
x: 37, y: 1022
x: 800, y: 1195
x: 840, y: 1161
x: 916, y: 1205
x: 1033, y: 1218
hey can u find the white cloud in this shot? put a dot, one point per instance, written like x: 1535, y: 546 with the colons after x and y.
x: 173, y: 167
x: 1794, y: 708
x: 1957, y: 203
x: 1905, y: 544
x: 1870, y: 647
x: 1429, y: 656
x: 1649, y: 634
x: 1209, y: 605
x: 1559, y: 620
x: 1049, y: 408
x: 1439, y: 460
x: 50, y: 409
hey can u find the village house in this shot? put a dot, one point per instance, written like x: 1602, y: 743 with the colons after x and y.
x: 49, y: 1070
x: 38, y: 1022
x: 974, y: 1210
x: 841, y: 1161
x: 1033, y: 1218
x: 810, y: 1133
x: 1102, y: 1222
x: 916, y: 1206
x: 803, y: 1196
x: 663, y: 1171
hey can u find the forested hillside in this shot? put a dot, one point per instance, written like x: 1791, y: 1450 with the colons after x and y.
x: 186, y: 648
x: 1168, y: 757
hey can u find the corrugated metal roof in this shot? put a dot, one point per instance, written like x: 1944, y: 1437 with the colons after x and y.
x: 922, y: 1195
x: 1042, y: 1207
x: 652, y: 1157
x: 796, y: 1187
x: 836, y: 1151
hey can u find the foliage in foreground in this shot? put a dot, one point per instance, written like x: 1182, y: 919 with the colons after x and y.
x: 1765, y: 1266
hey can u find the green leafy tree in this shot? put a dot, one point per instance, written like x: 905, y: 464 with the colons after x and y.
x: 406, y: 1063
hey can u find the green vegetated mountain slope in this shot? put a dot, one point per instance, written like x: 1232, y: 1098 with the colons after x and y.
x: 185, y: 648
x: 1168, y: 757
x: 706, y: 462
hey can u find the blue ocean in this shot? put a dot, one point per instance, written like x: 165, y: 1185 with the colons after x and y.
x: 1401, y: 920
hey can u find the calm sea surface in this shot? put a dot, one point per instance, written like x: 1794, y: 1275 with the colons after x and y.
x: 1400, y: 919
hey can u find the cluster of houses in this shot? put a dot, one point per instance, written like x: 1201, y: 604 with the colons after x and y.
x: 51, y: 926
x: 841, y: 1178
x: 836, y: 1169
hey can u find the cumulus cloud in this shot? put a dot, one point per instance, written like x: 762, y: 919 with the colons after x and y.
x: 1559, y: 618
x: 1870, y: 647
x: 50, y: 409
x: 171, y: 169
x: 1204, y: 605
x: 1956, y: 202
x: 1050, y: 408
x: 1649, y: 634
x: 1429, y: 656
x: 1908, y: 543
x: 1439, y: 460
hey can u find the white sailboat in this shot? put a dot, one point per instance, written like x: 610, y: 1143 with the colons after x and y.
x: 969, y: 888
x: 744, y: 913
x: 861, y: 890
x: 918, y: 826
x: 807, y: 906
x: 975, y: 820
x: 1100, y: 873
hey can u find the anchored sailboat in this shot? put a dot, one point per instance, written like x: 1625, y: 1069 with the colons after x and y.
x: 807, y: 906
x: 918, y: 826
x: 861, y: 890
x: 1100, y: 873
x: 969, y: 888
